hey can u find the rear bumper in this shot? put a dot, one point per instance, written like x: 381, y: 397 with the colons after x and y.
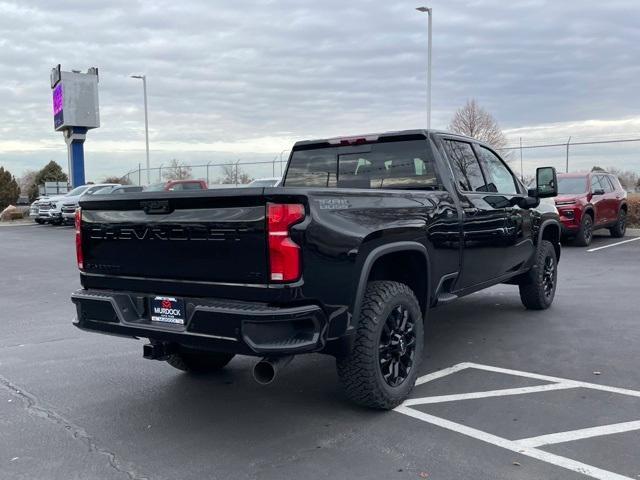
x: 211, y: 324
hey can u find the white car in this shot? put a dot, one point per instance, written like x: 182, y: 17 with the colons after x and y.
x: 44, y: 210
x: 66, y: 206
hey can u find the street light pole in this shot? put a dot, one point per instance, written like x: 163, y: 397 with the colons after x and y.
x: 146, y: 122
x: 429, y: 11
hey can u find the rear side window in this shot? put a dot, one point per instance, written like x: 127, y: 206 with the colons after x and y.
x: 406, y: 164
x: 606, y: 184
x: 466, y: 168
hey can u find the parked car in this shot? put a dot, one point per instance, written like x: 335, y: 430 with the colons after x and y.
x: 265, y: 182
x: 177, y: 185
x: 588, y: 202
x: 66, y: 206
x: 48, y: 210
x: 365, y: 236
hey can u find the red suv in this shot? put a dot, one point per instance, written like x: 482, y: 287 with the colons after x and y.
x: 589, y: 201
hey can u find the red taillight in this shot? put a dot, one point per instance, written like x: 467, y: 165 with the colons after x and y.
x: 284, y: 254
x: 79, y: 254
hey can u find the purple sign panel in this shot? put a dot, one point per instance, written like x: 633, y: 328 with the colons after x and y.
x: 57, y: 99
x: 58, y: 102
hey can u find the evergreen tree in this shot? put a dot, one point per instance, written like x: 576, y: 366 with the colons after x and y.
x: 9, y: 190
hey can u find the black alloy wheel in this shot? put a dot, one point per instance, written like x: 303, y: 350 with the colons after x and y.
x: 397, y: 347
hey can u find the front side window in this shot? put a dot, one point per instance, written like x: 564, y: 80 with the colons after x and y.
x: 501, y: 180
x: 405, y: 164
x: 466, y: 168
x: 595, y: 184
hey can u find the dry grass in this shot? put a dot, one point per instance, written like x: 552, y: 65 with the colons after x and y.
x: 633, y: 202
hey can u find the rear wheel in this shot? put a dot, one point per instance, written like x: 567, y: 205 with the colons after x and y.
x: 538, y: 287
x: 383, y: 365
x: 620, y: 228
x: 585, y: 234
x: 199, y: 361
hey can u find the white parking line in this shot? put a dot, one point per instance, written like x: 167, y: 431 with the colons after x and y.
x: 593, y: 386
x: 579, y: 434
x: 513, y: 446
x: 613, y: 244
x: 489, y: 393
x: 525, y: 446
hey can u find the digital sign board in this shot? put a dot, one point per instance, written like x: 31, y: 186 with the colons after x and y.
x: 75, y: 99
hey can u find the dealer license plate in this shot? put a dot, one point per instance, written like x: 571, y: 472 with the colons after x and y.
x: 167, y: 310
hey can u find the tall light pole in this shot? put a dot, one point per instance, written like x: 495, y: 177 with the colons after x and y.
x: 430, y: 12
x: 146, y: 122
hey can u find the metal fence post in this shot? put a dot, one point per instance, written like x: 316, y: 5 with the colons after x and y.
x: 521, y: 168
x: 567, y: 166
x: 139, y: 175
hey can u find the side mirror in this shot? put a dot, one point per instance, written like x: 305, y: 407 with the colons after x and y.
x: 546, y: 182
x: 598, y: 191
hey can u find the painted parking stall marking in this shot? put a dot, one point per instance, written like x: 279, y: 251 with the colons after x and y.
x: 525, y: 446
x: 613, y: 244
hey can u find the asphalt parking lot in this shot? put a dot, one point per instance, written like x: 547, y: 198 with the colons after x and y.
x: 505, y: 393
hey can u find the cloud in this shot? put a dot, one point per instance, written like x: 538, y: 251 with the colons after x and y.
x: 227, y: 78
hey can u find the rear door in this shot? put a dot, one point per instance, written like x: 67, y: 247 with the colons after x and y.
x: 494, y: 232
x: 611, y: 197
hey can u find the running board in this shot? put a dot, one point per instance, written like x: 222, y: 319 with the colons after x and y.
x: 444, y: 298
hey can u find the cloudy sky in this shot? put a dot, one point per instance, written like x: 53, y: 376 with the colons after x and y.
x: 244, y: 80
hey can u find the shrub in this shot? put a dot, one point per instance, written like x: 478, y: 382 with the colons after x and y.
x: 633, y: 204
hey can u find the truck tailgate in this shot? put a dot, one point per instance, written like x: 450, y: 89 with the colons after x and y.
x: 212, y: 236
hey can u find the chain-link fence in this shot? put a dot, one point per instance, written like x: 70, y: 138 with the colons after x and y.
x: 232, y: 173
x: 620, y: 156
x: 572, y: 154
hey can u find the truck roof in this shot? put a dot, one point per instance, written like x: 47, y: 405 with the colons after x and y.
x: 396, y: 133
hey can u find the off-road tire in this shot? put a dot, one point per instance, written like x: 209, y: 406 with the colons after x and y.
x: 585, y: 234
x: 197, y: 361
x: 534, y: 291
x: 360, y: 372
x: 620, y: 228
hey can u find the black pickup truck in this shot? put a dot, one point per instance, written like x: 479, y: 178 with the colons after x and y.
x: 364, y: 236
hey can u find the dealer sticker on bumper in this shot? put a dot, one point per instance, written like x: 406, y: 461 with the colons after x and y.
x: 167, y: 310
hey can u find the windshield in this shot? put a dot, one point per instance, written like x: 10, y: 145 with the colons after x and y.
x: 402, y: 164
x: 77, y: 191
x: 571, y: 185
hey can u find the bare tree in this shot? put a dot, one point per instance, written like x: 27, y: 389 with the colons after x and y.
x: 234, y: 174
x: 627, y: 178
x: 177, y: 171
x: 474, y: 121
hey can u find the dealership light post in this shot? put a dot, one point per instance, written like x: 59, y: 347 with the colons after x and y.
x: 146, y: 122
x: 429, y: 11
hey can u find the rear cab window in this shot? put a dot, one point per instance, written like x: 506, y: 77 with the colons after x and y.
x: 388, y: 163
